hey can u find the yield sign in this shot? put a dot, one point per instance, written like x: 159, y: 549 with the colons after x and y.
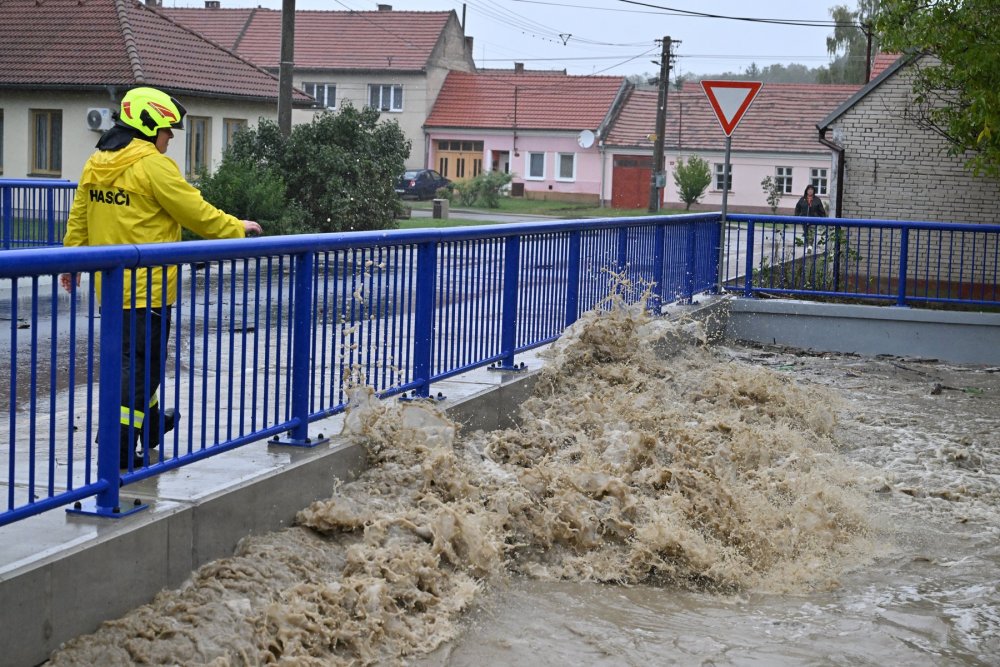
x: 730, y: 99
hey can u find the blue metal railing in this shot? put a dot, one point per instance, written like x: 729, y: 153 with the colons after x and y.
x: 883, y: 261
x: 33, y: 212
x: 264, y: 332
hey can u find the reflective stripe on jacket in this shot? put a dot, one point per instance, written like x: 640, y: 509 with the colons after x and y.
x: 137, y: 195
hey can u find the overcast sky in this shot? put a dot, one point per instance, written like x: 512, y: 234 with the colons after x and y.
x: 618, y: 37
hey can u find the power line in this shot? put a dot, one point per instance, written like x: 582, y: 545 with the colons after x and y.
x: 809, y: 23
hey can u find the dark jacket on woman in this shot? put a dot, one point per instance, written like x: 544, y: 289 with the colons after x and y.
x: 814, y: 210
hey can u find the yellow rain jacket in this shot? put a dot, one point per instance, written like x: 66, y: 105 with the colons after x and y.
x: 137, y: 195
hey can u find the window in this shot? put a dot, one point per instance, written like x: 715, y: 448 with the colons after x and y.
x: 385, y: 97
x: 535, y: 166
x: 565, y: 166
x: 46, y: 141
x: 721, y: 182
x: 325, y: 94
x: 196, y: 161
x: 783, y: 179
x: 232, y: 126
x: 818, y: 180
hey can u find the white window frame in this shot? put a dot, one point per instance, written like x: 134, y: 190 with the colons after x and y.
x: 819, y: 179
x: 719, y: 175
x: 783, y: 177
x: 559, y: 164
x: 394, y: 92
x: 325, y: 93
x: 528, y: 176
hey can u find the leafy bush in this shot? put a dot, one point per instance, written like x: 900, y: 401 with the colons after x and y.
x: 692, y: 179
x: 483, y: 190
x: 336, y: 173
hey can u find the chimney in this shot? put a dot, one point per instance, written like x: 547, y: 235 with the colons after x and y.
x: 213, y: 4
x: 518, y: 68
x: 385, y: 8
x: 152, y: 3
x: 468, y: 44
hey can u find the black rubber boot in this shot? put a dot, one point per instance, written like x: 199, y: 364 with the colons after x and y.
x: 170, y: 419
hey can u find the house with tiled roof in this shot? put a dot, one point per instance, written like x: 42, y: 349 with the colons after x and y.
x: 776, y: 137
x: 65, y: 65
x: 892, y: 166
x: 543, y: 128
x: 395, y: 61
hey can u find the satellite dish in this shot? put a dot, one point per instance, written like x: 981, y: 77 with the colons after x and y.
x: 585, y: 139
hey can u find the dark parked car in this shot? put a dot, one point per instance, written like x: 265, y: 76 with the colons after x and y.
x: 420, y: 183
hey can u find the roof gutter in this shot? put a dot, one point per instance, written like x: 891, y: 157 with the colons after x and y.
x: 839, y: 151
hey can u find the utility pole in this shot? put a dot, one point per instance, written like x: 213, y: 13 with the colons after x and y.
x: 658, y: 177
x: 286, y: 67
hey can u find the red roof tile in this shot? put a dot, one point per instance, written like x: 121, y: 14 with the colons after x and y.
x: 882, y: 62
x: 381, y: 40
x: 530, y: 102
x: 96, y: 43
x: 782, y: 119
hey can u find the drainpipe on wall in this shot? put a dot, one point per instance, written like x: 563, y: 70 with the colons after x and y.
x: 604, y: 157
x: 839, y: 152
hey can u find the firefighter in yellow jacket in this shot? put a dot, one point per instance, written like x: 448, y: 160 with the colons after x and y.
x: 130, y: 192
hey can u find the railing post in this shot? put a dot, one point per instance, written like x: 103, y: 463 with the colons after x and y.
x: 508, y: 315
x: 659, y: 251
x: 748, y: 269
x: 690, y: 264
x: 622, y: 249
x: 573, y: 278
x: 423, y: 319
x: 50, y: 203
x: 904, y: 252
x: 6, y: 192
x: 301, y: 346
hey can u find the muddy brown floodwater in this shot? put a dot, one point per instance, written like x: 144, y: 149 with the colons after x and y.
x: 664, y: 501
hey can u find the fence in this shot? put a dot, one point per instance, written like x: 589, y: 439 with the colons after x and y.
x: 264, y: 333
x: 883, y: 261
x: 33, y: 212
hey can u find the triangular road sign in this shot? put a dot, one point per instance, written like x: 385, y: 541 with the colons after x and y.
x: 730, y: 100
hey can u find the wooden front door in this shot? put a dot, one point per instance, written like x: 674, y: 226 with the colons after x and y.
x: 630, y: 181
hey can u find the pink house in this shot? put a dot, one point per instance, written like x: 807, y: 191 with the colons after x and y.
x: 777, y: 137
x: 544, y: 128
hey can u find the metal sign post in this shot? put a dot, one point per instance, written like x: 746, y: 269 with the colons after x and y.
x: 730, y: 100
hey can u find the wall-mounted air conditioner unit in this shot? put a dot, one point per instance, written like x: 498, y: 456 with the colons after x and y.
x: 99, y: 120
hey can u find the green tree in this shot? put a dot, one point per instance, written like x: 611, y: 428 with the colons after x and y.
x: 848, y: 45
x: 336, y: 173
x: 956, y: 91
x: 692, y: 179
x: 772, y: 191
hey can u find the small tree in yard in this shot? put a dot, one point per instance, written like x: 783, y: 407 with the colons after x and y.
x: 692, y: 179
x: 773, y: 191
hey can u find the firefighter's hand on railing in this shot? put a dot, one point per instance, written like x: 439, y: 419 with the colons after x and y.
x: 66, y: 280
x: 251, y: 228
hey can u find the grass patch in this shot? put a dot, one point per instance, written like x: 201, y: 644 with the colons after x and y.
x: 557, y: 209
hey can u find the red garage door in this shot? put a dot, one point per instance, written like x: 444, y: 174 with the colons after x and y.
x: 630, y: 182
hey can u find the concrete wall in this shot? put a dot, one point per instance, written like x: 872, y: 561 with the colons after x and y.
x: 957, y: 337
x: 896, y: 170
